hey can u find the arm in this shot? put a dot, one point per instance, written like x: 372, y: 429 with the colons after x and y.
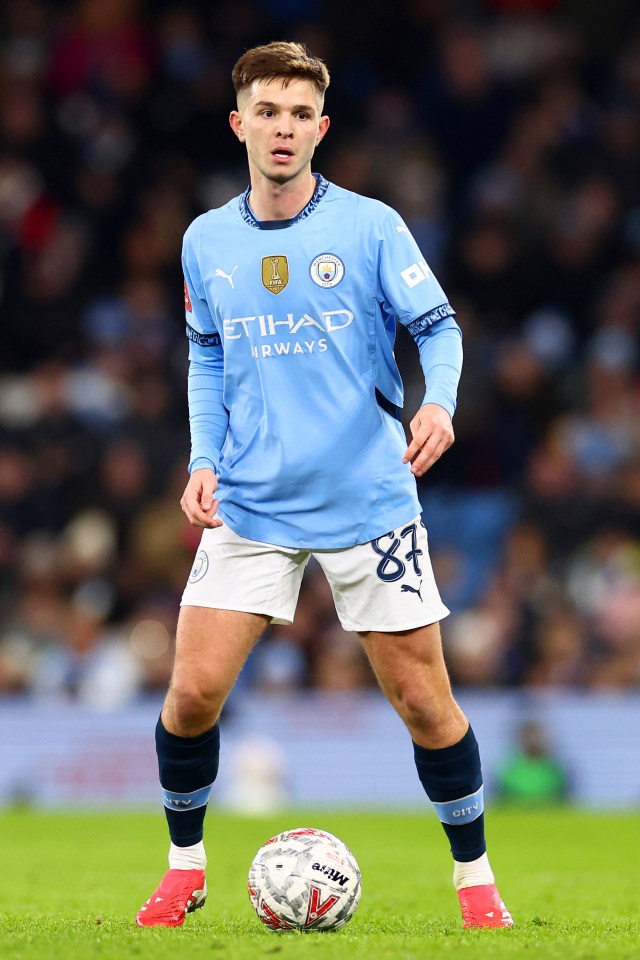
x: 208, y: 420
x: 440, y: 347
x: 208, y: 417
x: 409, y: 292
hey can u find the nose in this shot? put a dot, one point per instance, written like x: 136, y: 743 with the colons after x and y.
x: 284, y: 127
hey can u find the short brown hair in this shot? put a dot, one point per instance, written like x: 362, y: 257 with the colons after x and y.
x: 284, y: 59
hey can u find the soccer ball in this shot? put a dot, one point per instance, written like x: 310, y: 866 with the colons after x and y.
x: 304, y: 879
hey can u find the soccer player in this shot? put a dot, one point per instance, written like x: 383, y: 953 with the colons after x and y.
x: 292, y: 294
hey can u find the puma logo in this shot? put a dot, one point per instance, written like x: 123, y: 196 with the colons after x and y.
x: 405, y: 588
x: 227, y: 276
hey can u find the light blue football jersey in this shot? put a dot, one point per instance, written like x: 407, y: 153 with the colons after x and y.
x: 295, y: 398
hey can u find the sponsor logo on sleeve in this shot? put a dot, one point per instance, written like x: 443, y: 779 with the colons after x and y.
x: 187, y: 299
x: 415, y: 273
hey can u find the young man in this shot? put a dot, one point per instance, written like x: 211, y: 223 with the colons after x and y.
x: 292, y: 293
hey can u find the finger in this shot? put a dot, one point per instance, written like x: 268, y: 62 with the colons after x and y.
x: 413, y: 449
x: 429, y: 455
x: 212, y: 522
x: 207, y: 493
x: 433, y: 446
x: 205, y: 522
x: 211, y: 509
x: 422, y: 437
x: 198, y: 517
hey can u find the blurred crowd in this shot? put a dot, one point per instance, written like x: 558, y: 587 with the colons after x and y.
x: 507, y: 133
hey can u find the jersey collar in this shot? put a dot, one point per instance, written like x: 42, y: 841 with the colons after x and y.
x: 249, y: 217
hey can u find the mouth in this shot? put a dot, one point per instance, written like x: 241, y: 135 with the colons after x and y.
x: 282, y: 154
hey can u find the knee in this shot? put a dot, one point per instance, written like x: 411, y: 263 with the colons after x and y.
x: 192, y: 706
x: 424, y: 711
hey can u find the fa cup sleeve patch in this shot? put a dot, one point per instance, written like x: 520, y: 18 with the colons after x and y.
x: 187, y: 299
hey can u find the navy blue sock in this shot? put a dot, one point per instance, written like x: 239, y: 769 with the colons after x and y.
x: 452, y: 779
x: 188, y: 767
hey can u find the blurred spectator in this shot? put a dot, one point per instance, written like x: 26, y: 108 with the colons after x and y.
x: 256, y: 780
x: 531, y: 776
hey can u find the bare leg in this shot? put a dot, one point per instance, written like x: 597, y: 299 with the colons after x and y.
x: 211, y: 648
x: 412, y: 674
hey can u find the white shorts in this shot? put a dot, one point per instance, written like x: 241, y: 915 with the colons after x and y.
x: 384, y: 585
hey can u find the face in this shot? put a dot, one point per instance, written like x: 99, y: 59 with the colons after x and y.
x: 281, y: 127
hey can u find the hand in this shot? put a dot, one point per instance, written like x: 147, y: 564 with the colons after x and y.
x: 197, y: 500
x: 432, y: 433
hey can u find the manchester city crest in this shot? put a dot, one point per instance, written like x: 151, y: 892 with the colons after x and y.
x: 327, y: 270
x: 200, y: 567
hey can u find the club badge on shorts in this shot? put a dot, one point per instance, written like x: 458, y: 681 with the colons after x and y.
x: 200, y: 567
x: 327, y: 270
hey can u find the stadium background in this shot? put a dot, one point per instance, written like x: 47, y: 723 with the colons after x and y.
x: 508, y: 136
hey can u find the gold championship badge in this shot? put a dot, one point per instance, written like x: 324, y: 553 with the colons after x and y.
x: 275, y: 273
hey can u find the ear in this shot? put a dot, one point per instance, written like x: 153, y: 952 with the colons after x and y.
x: 323, y: 126
x: 235, y: 122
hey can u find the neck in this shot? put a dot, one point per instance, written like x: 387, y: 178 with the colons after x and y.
x: 280, y: 201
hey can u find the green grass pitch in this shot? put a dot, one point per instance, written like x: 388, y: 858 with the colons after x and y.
x: 70, y: 886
